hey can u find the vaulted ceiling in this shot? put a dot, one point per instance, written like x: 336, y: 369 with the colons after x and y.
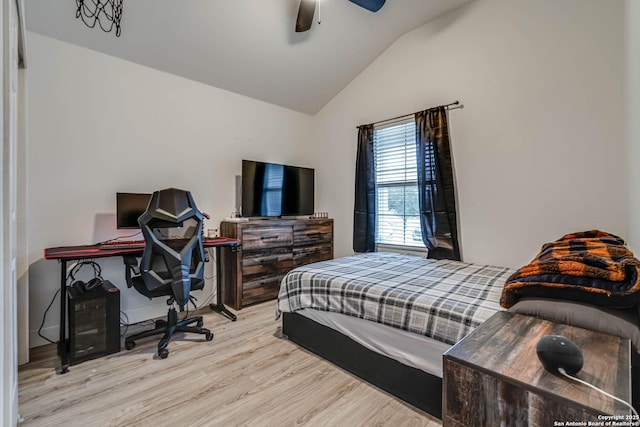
x: 246, y: 46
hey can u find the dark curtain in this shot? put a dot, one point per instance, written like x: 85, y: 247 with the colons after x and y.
x: 438, y: 219
x: 364, y: 212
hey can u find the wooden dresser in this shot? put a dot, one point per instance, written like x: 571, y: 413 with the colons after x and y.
x: 270, y: 248
x: 494, y: 377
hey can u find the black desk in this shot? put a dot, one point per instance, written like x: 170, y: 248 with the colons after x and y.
x: 75, y: 253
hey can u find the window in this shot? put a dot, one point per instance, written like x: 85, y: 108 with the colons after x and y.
x: 398, y: 213
x: 272, y: 189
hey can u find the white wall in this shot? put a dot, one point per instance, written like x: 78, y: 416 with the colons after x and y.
x: 539, y: 147
x: 99, y: 125
x: 632, y: 27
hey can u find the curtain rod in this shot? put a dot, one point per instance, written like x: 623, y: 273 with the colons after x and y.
x: 446, y: 106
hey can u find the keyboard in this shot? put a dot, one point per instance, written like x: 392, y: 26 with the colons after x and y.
x: 121, y: 244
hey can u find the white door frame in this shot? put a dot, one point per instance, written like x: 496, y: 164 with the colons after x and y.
x: 12, y: 45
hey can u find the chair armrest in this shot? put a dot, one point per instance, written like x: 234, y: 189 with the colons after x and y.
x: 131, y: 265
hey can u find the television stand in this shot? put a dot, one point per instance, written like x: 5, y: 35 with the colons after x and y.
x: 270, y: 249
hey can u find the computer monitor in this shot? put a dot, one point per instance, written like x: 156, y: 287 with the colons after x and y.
x: 129, y: 207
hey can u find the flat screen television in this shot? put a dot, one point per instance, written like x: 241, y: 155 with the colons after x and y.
x: 129, y: 207
x: 275, y: 190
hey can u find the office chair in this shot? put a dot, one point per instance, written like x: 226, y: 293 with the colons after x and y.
x: 172, y: 264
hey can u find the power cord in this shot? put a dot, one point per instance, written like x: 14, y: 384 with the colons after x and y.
x: 563, y: 372
x: 124, y: 323
x: 212, y: 258
x: 209, y: 297
x: 120, y: 238
x: 44, y: 316
x: 192, y: 300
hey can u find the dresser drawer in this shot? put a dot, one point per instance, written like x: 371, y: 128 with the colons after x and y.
x: 260, y: 287
x: 266, y: 260
x: 266, y: 237
x: 314, y: 233
x: 264, y: 277
x: 308, y: 254
x: 262, y: 290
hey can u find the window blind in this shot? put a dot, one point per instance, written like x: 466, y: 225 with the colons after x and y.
x: 398, y: 221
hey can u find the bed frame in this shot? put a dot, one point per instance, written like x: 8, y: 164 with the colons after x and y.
x: 409, y: 384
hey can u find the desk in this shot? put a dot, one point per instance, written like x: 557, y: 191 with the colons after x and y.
x: 65, y: 254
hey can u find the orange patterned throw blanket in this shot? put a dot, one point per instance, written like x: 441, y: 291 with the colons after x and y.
x: 590, y: 266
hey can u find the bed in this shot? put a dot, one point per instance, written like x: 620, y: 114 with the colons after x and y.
x: 389, y: 317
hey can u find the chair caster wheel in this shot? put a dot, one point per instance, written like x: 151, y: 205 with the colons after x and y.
x: 164, y: 353
x: 129, y: 345
x: 209, y: 336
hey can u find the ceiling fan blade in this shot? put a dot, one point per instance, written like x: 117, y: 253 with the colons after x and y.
x: 305, y: 15
x: 371, y: 5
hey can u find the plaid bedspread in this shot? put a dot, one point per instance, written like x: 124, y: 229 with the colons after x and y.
x: 440, y: 299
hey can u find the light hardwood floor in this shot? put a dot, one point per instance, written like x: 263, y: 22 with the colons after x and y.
x: 248, y: 375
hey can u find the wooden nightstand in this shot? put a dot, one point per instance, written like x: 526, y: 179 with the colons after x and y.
x: 494, y: 377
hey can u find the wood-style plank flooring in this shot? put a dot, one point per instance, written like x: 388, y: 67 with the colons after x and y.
x: 248, y: 375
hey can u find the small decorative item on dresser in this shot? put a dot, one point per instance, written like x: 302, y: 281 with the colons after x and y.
x: 320, y: 215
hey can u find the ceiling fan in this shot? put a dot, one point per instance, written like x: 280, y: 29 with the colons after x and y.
x: 308, y: 8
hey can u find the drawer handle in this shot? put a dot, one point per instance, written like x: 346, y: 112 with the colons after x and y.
x: 268, y: 237
x: 268, y: 261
